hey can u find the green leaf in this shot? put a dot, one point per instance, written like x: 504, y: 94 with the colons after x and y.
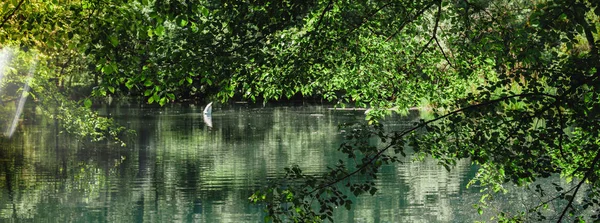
x: 87, y: 103
x: 171, y: 96
x: 148, y: 83
x: 113, y: 66
x: 107, y: 69
x: 189, y: 80
x: 129, y: 84
x: 181, y: 20
x: 162, y: 101
x: 111, y: 89
x: 195, y: 28
x: 148, y: 92
x: 562, y: 16
x: 348, y: 204
x: 102, y: 92
x: 204, y: 11
x: 160, y: 30
x: 447, y: 167
x: 373, y: 191
x: 113, y: 40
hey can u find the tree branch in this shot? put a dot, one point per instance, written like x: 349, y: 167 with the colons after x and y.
x: 423, y: 124
x: 366, y: 19
x: 435, y: 28
x: 11, y: 14
x: 587, y: 175
x: 587, y: 32
x: 417, y: 15
x: 325, y: 10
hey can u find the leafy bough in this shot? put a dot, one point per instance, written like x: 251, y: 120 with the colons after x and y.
x: 301, y: 197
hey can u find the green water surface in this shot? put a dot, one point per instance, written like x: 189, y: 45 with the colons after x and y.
x: 177, y: 169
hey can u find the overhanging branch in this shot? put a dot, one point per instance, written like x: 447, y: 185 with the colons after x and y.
x: 423, y: 124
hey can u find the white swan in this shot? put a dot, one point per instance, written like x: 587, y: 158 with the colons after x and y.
x: 207, y: 115
x: 208, y: 109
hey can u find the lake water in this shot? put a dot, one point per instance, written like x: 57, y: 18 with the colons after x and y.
x: 177, y: 169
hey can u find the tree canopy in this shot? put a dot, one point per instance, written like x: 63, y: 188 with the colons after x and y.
x: 512, y: 83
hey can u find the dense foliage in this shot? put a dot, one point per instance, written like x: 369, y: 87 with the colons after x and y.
x: 513, y: 84
x: 49, y: 38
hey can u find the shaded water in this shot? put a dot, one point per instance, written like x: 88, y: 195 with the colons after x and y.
x: 179, y: 170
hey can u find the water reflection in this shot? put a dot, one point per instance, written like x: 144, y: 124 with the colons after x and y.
x: 176, y: 170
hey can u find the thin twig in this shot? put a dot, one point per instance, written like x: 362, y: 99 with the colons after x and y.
x: 587, y: 175
x: 366, y: 19
x: 435, y: 28
x: 325, y: 10
x: 554, y: 198
x: 561, y: 132
x: 417, y: 15
x: 443, y: 53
